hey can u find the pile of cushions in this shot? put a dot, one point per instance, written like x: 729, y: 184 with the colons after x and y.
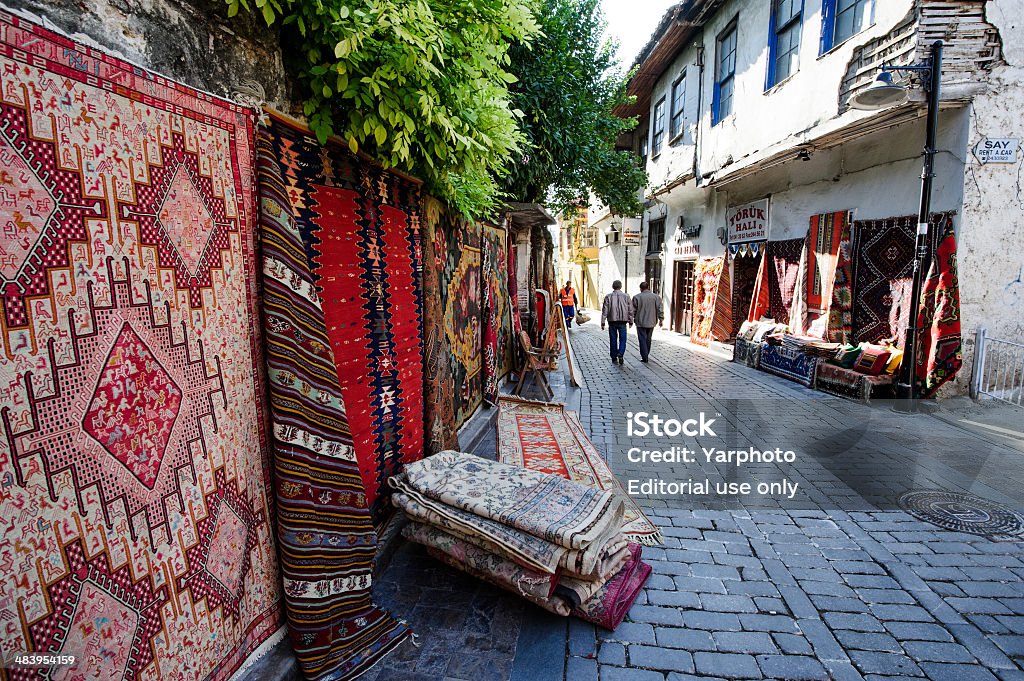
x: 869, y: 358
x: 755, y: 332
x: 554, y: 542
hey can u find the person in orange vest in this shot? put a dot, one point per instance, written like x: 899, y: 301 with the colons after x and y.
x: 569, y: 302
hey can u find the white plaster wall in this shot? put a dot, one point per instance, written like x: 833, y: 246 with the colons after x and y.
x: 990, y: 250
x: 791, y: 109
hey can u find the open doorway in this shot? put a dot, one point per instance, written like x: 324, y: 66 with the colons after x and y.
x: 682, y: 296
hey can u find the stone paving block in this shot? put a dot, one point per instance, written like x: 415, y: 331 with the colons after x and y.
x: 770, y: 606
x: 986, y: 606
x: 932, y: 651
x: 627, y: 674
x: 918, y: 631
x: 634, y: 632
x: 712, y: 621
x: 727, y: 665
x: 839, y: 604
x: 792, y: 668
x: 855, y: 622
x: 858, y: 640
x: 687, y: 639
x: 662, y: 582
x: 582, y: 638
x: 891, y: 664
x: 884, y: 596
x: 745, y: 642
x: 901, y: 613
x: 580, y: 669
x: 660, y: 658
x: 612, y: 653
x: 709, y: 585
x: 751, y: 588
x: 770, y: 623
x: 871, y: 581
x: 956, y: 672
x: 673, y: 599
x: 656, y: 615
x: 720, y: 603
x: 714, y: 571
x: 827, y: 589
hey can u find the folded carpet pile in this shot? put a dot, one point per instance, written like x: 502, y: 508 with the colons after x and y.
x: 555, y: 543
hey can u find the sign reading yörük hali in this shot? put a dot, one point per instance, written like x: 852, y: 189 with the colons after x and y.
x: 997, y: 150
x: 747, y: 223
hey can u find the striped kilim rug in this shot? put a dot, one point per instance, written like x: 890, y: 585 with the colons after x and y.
x: 545, y: 437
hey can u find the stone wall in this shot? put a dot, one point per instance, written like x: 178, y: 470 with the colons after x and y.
x: 192, y: 41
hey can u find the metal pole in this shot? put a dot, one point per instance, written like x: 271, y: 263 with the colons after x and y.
x: 625, y: 282
x: 906, y: 387
x: 979, y: 361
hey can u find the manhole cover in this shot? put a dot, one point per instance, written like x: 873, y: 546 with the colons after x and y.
x: 964, y: 513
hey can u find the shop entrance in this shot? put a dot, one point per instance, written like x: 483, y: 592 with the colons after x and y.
x: 682, y: 296
x: 652, y: 273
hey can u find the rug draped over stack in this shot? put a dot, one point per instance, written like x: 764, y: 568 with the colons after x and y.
x: 135, y: 500
x: 545, y: 437
x: 326, y: 536
x: 556, y: 543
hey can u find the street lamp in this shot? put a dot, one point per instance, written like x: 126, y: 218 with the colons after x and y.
x: 879, y: 95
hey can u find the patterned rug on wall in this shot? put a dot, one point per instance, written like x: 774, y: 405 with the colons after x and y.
x: 940, y: 358
x: 497, y: 328
x: 133, y: 457
x: 712, y: 310
x: 323, y: 521
x: 776, y: 281
x: 457, y: 249
x: 440, y: 431
x: 883, y: 271
x: 360, y: 227
x: 821, y: 259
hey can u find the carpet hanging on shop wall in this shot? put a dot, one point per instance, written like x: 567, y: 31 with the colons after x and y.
x: 326, y: 536
x: 883, y: 276
x: 776, y: 281
x: 744, y: 279
x: 544, y: 437
x: 495, y: 308
x: 438, y: 388
x: 134, y: 459
x: 840, y: 312
x: 712, y: 308
x: 940, y: 356
x: 457, y: 252
x: 360, y: 227
x: 821, y: 257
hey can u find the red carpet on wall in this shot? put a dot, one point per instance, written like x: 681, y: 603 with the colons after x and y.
x: 134, y: 458
x: 776, y: 281
x: 497, y: 324
x: 361, y: 230
x: 712, y: 307
x: 940, y: 356
x: 324, y: 527
x: 883, y: 272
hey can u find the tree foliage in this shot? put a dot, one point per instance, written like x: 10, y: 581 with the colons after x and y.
x: 567, y: 85
x: 421, y: 85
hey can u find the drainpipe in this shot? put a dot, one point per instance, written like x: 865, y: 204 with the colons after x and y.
x: 700, y: 110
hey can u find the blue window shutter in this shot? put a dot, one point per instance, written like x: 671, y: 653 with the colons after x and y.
x: 828, y: 25
x: 773, y: 47
x: 715, y: 97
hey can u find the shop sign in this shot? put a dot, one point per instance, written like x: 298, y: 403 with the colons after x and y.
x: 687, y: 248
x: 747, y: 223
x: 631, y: 232
x: 997, y: 150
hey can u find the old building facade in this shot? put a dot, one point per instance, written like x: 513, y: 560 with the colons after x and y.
x: 747, y: 103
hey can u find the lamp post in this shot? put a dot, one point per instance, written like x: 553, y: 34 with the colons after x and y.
x: 880, y: 94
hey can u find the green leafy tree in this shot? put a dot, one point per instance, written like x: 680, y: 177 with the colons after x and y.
x: 421, y: 85
x: 568, y: 85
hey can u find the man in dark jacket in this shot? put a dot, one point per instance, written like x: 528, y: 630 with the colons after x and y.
x: 617, y: 310
x: 647, y: 311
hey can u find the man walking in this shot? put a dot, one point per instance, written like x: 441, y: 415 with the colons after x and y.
x: 569, y: 303
x: 617, y: 310
x: 647, y: 311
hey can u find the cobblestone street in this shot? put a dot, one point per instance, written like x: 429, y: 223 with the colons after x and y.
x: 841, y: 586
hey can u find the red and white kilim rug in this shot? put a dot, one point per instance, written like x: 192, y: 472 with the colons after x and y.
x: 545, y: 437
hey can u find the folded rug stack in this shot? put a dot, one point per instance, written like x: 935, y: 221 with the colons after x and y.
x: 554, y: 542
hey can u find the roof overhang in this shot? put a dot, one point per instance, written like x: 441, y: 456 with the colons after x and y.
x: 529, y: 215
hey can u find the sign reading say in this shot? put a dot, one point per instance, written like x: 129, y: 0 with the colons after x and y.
x: 747, y: 223
x: 997, y: 150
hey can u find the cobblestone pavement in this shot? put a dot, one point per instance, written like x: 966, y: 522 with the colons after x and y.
x: 842, y: 585
x: 839, y: 590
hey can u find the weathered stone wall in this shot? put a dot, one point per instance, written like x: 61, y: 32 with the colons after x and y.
x: 192, y: 41
x: 991, y: 237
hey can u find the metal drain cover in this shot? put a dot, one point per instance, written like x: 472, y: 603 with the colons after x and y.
x: 964, y: 513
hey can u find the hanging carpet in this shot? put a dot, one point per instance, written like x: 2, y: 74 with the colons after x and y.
x: 821, y: 259
x: 883, y: 261
x: 776, y: 280
x: 135, y: 498
x: 712, y: 309
x: 458, y: 256
x: 840, y: 313
x: 360, y: 229
x: 324, y: 526
x: 544, y: 437
x: 440, y: 431
x: 496, y: 339
x: 939, y: 357
x: 744, y: 279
